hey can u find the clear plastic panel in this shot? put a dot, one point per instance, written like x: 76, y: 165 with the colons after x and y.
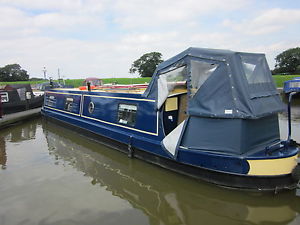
x: 200, y: 72
x: 258, y: 75
x: 171, y: 82
x: 256, y: 69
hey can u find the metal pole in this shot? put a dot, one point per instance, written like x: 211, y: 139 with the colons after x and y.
x: 44, y: 70
x: 289, y: 116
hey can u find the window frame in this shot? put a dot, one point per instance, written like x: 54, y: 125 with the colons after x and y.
x: 131, y: 124
x: 50, y: 100
x: 68, y: 106
x: 4, y: 97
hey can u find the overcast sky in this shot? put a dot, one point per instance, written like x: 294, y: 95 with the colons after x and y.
x: 102, y: 38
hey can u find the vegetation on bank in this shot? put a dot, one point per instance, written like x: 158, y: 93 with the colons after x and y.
x: 140, y: 80
x: 13, y: 72
x: 78, y: 82
x: 288, y: 62
x: 278, y: 79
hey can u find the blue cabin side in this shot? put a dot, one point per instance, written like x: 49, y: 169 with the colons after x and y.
x: 128, y: 118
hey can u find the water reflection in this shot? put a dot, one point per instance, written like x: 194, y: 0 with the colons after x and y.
x: 22, y: 132
x: 3, y: 157
x: 295, y: 114
x: 166, y: 197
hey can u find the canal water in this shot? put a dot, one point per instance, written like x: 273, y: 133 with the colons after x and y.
x: 52, y: 175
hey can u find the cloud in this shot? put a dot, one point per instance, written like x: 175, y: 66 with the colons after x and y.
x: 62, y: 21
x: 75, y: 58
x: 133, y: 14
x: 269, y: 21
x: 102, y: 38
x: 57, y: 5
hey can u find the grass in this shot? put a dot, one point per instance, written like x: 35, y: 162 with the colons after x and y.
x: 140, y: 80
x: 78, y: 82
x: 280, y: 79
x: 22, y: 82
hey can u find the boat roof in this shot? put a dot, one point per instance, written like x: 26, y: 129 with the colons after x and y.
x: 239, y: 86
x: 207, y: 53
x: 18, y: 86
x: 132, y: 89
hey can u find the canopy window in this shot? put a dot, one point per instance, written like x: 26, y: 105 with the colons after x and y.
x: 171, y: 82
x: 200, y: 72
x: 258, y: 75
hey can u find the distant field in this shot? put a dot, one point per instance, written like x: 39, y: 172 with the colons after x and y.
x: 78, y: 82
x: 140, y: 80
x: 22, y: 82
x: 279, y: 79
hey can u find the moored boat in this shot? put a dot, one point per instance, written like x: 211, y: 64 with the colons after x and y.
x: 209, y: 114
x: 19, y: 97
x: 292, y: 85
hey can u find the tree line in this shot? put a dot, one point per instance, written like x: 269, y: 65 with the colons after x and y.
x: 13, y: 72
x: 287, y: 62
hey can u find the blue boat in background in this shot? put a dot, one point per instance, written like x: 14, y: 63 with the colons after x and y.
x: 209, y: 114
x: 292, y: 85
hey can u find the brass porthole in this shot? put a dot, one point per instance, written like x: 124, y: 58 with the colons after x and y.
x: 91, y: 107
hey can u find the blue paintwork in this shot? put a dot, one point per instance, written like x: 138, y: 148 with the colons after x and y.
x: 292, y: 85
x: 145, y: 135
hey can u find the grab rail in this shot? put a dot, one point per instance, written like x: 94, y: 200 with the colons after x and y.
x: 289, y: 117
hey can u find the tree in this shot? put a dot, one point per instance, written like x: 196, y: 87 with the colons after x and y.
x: 288, y: 61
x: 13, y: 72
x: 146, y: 64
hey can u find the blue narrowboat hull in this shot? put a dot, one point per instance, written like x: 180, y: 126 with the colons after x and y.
x: 144, y: 140
x: 291, y: 86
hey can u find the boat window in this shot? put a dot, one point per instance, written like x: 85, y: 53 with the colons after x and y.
x: 69, y: 104
x: 4, y: 97
x: 255, y: 68
x: 170, y: 83
x: 258, y: 75
x: 200, y: 72
x: 22, y: 93
x: 91, y: 107
x: 50, y: 100
x: 127, y: 114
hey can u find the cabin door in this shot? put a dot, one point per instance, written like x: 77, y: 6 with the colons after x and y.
x: 174, y: 112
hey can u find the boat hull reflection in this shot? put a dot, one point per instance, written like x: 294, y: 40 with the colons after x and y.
x: 162, y: 195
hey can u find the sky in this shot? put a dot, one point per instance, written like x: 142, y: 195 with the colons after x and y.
x: 101, y: 38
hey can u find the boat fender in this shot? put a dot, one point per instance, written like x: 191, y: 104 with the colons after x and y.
x: 130, y: 149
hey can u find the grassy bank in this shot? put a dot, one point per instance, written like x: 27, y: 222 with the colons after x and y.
x: 22, y: 82
x: 140, y: 80
x: 280, y: 79
x: 78, y: 82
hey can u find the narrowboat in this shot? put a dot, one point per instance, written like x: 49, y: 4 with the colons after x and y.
x: 209, y: 114
x: 292, y: 85
x: 19, y: 97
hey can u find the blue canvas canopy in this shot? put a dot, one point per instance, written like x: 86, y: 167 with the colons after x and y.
x: 220, y: 83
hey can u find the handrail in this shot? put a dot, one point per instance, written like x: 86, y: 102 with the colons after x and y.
x: 289, y: 116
